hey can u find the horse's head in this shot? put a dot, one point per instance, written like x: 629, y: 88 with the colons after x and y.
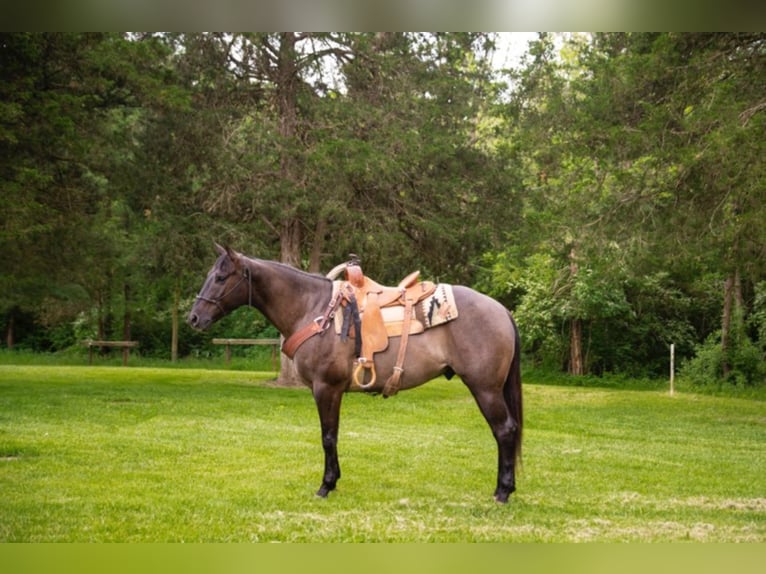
x: 227, y: 287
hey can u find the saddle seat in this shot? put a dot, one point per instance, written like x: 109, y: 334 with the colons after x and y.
x: 408, y: 288
x: 373, y: 300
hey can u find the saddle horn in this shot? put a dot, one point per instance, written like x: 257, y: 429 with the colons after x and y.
x: 335, y: 271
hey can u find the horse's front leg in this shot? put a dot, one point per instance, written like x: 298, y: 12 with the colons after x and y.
x: 328, y: 399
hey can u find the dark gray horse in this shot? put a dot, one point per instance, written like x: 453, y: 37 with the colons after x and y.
x: 481, y: 346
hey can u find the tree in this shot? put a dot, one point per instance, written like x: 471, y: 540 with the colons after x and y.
x: 628, y: 142
x: 70, y: 105
x: 55, y: 91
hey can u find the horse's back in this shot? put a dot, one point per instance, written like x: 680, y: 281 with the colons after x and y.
x: 477, y: 345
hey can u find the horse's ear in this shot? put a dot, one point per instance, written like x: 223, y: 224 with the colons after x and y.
x: 234, y: 256
x: 231, y: 254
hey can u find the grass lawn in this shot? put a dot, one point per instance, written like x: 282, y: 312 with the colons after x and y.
x: 112, y: 454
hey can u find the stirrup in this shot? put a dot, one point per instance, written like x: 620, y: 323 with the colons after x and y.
x: 359, y: 367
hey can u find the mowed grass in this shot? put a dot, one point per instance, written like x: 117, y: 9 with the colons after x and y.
x: 112, y: 454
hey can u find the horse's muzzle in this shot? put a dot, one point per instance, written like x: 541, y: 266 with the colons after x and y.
x: 196, y: 322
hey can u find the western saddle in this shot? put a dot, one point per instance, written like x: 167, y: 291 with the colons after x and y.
x: 372, y: 313
x: 375, y: 303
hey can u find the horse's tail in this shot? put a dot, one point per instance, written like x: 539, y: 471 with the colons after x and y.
x: 512, y: 390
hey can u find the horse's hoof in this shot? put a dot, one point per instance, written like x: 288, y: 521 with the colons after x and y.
x: 323, y: 491
x: 502, y: 497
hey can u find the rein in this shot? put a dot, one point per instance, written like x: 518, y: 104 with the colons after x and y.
x: 217, y: 301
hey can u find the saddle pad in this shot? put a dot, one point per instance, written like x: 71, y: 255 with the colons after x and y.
x: 440, y: 307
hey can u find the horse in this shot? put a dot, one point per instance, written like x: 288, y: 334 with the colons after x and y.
x: 481, y: 346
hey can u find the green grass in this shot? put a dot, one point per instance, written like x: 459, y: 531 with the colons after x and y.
x: 148, y: 454
x: 243, y: 358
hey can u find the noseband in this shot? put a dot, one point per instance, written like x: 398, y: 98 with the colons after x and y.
x: 217, y: 302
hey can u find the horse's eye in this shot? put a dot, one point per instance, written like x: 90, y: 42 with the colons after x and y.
x: 220, y: 278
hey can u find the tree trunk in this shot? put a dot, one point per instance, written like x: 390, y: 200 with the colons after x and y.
x: 315, y: 258
x: 10, y: 336
x: 576, y: 364
x: 290, y: 243
x: 174, y: 325
x: 104, y: 327
x: 126, y: 326
x: 732, y: 298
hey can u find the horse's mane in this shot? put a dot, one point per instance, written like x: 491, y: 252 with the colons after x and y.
x: 299, y: 274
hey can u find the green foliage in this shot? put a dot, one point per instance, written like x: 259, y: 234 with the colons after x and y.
x: 526, y: 286
x: 637, y: 193
x: 757, y: 319
x: 629, y: 319
x: 746, y: 361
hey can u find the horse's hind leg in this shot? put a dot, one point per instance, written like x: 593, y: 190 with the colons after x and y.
x: 328, y: 399
x: 504, y: 428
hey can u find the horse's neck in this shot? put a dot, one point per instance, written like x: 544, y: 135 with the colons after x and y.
x: 288, y: 297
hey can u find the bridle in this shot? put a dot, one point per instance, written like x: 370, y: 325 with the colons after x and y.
x: 217, y: 302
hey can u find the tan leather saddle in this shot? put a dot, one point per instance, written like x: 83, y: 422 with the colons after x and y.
x: 374, y: 301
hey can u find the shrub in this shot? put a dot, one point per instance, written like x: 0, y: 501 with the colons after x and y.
x: 747, y: 367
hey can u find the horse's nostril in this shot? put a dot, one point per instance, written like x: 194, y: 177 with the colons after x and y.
x: 193, y: 320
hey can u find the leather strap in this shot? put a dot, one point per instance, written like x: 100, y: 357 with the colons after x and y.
x: 394, y: 381
x: 294, y: 341
x: 316, y: 327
